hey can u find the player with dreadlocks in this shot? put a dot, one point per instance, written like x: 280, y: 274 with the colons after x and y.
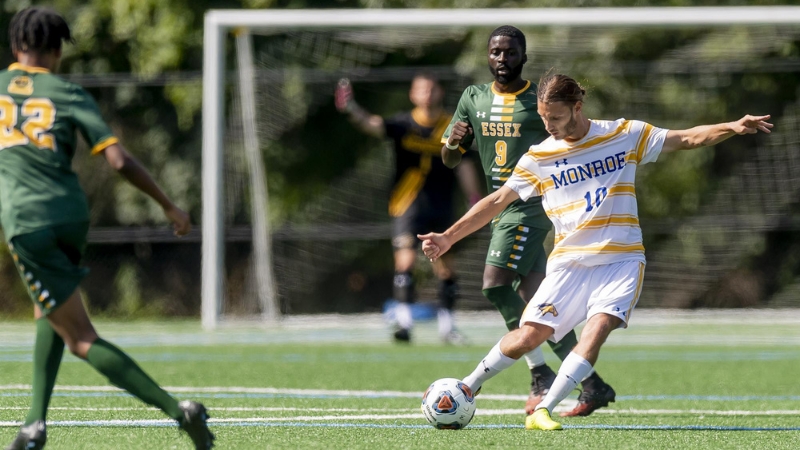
x: 45, y: 218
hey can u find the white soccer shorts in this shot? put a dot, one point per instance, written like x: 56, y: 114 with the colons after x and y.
x: 575, y: 292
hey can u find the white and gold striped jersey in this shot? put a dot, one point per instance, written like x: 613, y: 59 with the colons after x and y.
x: 587, y: 190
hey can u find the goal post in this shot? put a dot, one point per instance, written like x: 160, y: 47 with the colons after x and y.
x: 219, y: 24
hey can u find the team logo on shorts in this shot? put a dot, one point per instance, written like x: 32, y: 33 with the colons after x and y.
x: 548, y: 308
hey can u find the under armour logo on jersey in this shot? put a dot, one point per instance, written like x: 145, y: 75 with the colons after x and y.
x: 496, y: 253
x: 564, y: 163
x: 481, y: 114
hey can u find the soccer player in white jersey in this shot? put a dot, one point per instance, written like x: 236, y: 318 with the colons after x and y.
x: 584, y: 173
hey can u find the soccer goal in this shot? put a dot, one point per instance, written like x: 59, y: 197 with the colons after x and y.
x: 294, y: 199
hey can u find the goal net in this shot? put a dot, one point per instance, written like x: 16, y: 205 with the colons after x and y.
x: 295, y: 199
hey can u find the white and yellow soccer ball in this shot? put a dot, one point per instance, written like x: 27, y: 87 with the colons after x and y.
x: 448, y: 404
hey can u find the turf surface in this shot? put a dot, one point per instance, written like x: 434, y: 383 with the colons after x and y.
x: 683, y: 381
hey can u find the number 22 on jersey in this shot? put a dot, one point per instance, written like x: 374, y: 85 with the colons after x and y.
x: 39, y: 114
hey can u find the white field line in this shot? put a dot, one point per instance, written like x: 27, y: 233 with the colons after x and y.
x: 563, y: 406
x: 253, y: 390
x: 335, y: 417
x: 217, y: 408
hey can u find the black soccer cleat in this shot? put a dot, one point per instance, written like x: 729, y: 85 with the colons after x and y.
x: 402, y: 335
x: 194, y: 424
x: 542, y: 377
x: 596, y: 394
x: 32, y: 437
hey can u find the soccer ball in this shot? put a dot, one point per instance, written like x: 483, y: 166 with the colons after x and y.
x: 448, y: 404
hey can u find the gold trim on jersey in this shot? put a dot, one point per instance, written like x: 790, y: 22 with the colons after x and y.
x: 422, y: 119
x: 640, y: 146
x: 605, y: 247
x: 514, y: 94
x: 542, y: 186
x: 635, y: 301
x: 431, y: 144
x: 413, y: 179
x: 405, y: 191
x: 573, y: 151
x: 29, y: 69
x: 613, y: 220
x: 104, y: 144
x: 531, y: 178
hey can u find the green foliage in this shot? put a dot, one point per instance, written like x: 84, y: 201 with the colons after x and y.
x: 161, y: 124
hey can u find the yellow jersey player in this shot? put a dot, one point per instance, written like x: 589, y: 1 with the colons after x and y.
x: 584, y: 173
x: 45, y: 218
x: 500, y: 119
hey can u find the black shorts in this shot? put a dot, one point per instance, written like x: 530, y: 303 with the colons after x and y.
x: 420, y: 218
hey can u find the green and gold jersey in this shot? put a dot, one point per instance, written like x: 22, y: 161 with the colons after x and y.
x: 39, y: 116
x: 504, y: 127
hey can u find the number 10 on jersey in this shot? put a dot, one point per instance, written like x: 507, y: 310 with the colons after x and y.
x: 599, y: 195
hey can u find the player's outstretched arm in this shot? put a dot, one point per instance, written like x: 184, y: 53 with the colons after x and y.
x: 133, y: 171
x: 368, y: 123
x: 705, y: 135
x: 435, y: 245
x: 451, y: 153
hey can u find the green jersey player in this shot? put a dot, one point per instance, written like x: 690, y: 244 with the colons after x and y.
x: 500, y: 118
x: 45, y: 218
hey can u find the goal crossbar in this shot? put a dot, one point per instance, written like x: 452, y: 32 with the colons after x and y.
x: 219, y: 22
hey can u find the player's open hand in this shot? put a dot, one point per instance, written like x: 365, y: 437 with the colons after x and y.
x: 459, y: 131
x: 752, y: 125
x: 343, y: 95
x: 181, y: 223
x: 434, y: 245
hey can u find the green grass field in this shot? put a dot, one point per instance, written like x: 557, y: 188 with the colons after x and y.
x: 710, y: 380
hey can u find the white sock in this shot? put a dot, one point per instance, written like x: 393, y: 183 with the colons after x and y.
x: 445, y: 318
x: 588, y: 375
x: 403, y: 314
x: 573, y: 369
x: 534, y: 357
x: 493, y: 363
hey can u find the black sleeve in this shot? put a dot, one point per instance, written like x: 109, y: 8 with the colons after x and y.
x: 396, y: 126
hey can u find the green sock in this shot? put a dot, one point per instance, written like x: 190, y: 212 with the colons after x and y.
x: 47, y: 355
x: 508, y: 302
x: 563, y: 347
x: 123, y: 372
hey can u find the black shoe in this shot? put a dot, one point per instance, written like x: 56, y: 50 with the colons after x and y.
x: 32, y: 437
x: 194, y: 424
x: 402, y: 335
x: 596, y: 394
x: 542, y: 377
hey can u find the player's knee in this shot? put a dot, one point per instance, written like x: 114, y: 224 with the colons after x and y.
x: 79, y: 345
x: 532, y: 336
x: 494, y: 277
x: 78, y: 348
